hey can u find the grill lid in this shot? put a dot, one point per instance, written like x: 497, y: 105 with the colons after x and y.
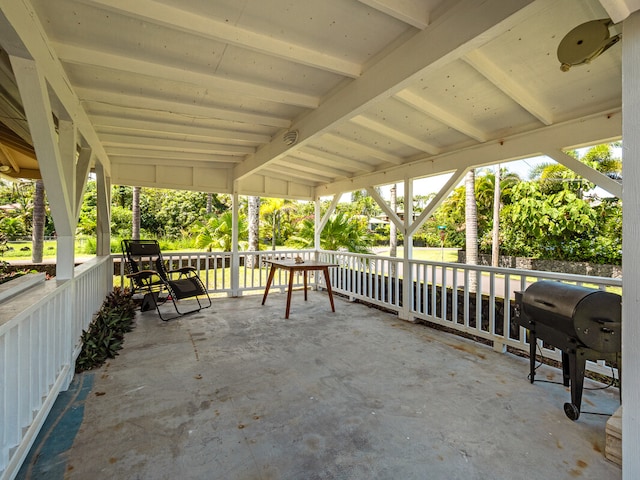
x: 593, y: 317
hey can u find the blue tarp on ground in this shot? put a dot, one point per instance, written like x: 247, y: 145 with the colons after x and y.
x: 47, y: 457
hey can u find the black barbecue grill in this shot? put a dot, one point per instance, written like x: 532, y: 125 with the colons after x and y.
x: 585, y: 324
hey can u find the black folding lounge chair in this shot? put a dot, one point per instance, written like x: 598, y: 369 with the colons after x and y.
x: 149, y: 276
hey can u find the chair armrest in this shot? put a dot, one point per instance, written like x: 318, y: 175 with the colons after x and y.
x: 182, y: 270
x: 143, y: 274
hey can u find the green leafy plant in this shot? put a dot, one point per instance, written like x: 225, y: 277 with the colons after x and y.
x: 340, y: 232
x: 216, y: 232
x: 105, y: 335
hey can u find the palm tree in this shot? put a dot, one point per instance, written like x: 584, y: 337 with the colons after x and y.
x: 393, y: 229
x: 216, y: 232
x: 272, y: 212
x: 601, y: 158
x: 555, y: 177
x: 13, y: 227
x: 340, y: 232
x: 363, y: 204
x: 492, y: 189
x: 135, y: 202
x: 471, y: 227
x: 495, y: 231
x: 254, y: 230
x: 39, y: 219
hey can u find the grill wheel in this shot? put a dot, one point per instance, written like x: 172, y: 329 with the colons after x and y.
x: 571, y: 411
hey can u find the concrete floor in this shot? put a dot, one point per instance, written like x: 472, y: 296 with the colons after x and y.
x: 238, y: 392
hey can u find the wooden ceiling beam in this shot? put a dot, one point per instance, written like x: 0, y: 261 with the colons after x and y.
x: 156, y: 143
x: 156, y: 126
x: 427, y: 107
x: 503, y: 81
x: 84, y: 56
x: 362, y: 149
x: 138, y: 104
x: 161, y: 155
x: 412, y: 12
x: 395, y: 134
x: 339, y: 161
x: 178, y: 18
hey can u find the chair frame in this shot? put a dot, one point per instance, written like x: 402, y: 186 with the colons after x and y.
x: 149, y: 275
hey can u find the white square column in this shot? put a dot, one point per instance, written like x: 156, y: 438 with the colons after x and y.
x: 631, y: 247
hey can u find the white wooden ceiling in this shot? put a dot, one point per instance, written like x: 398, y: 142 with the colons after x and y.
x: 197, y: 94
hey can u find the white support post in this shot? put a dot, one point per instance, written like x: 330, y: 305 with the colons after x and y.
x: 103, y: 223
x: 407, y: 274
x: 631, y: 248
x: 82, y: 173
x: 321, y: 221
x: 57, y: 170
x: 65, y: 257
x: 584, y: 170
x: 393, y: 216
x: 67, y: 145
x: 439, y: 198
x: 327, y: 214
x: 235, y: 255
x: 67, y: 142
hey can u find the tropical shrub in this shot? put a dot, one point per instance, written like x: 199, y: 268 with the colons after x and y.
x: 105, y: 335
x: 216, y: 232
x: 340, y: 233
x: 560, y: 226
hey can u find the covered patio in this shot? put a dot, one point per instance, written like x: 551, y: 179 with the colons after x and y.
x: 237, y: 391
x: 303, y: 100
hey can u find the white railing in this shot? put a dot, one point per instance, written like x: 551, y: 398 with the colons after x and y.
x: 39, y: 343
x: 254, y: 271
x: 380, y: 281
x: 214, y: 268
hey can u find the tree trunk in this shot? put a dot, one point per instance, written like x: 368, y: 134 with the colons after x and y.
x: 471, y: 227
x: 495, y: 234
x: 275, y: 228
x: 39, y: 219
x: 135, y: 230
x: 210, y: 203
x: 393, y: 229
x: 254, y: 230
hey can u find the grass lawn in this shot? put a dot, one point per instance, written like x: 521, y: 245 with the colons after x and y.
x: 424, y: 253
x: 22, y: 251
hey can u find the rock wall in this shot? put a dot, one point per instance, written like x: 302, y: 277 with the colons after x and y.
x: 577, y: 268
